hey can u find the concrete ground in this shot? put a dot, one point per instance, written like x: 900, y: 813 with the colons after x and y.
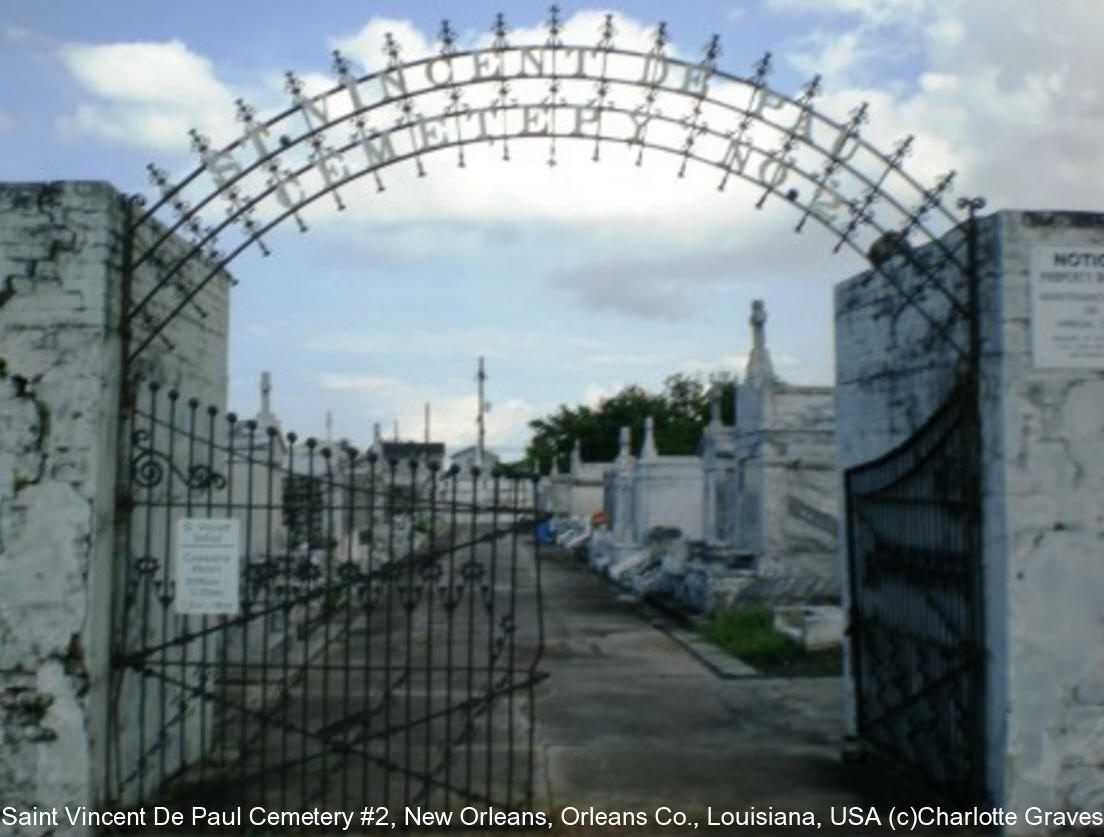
x: 638, y: 715
x: 638, y: 721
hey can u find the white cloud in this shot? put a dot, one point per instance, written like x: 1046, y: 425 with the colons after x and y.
x: 1006, y: 91
x: 386, y: 400
x: 146, y: 94
x: 879, y: 11
x: 595, y: 393
x: 367, y: 44
x: 491, y: 342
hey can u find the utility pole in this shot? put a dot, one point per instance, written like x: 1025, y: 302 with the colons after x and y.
x: 427, y: 422
x: 481, y: 377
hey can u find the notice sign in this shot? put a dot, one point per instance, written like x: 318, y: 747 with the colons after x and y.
x: 1067, y: 307
x: 207, y: 574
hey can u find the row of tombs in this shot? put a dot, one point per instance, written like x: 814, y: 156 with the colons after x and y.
x: 754, y: 513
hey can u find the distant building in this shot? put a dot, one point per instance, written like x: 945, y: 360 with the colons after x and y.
x: 467, y: 458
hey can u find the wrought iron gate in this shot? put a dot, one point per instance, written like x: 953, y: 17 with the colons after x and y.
x: 370, y: 636
x: 916, y: 598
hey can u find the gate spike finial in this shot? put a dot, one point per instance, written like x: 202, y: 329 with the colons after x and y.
x: 762, y: 70
x: 809, y: 91
x: 341, y: 65
x: 972, y: 204
x: 554, y: 26
x: 245, y: 113
x: 608, y: 30
x: 292, y: 83
x: 200, y: 144
x: 391, y: 49
x: 159, y: 177
x: 903, y: 149
x: 661, y: 38
x: 500, y: 31
x: 447, y: 36
x: 859, y: 116
x: 945, y: 184
x: 713, y: 50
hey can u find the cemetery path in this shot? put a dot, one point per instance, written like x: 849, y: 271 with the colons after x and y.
x: 637, y: 714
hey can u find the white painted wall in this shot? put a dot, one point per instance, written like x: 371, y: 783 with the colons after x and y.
x: 787, y: 494
x: 667, y: 491
x: 1043, y: 512
x: 61, y: 248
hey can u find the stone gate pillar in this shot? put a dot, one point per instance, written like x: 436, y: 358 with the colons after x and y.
x: 62, y: 291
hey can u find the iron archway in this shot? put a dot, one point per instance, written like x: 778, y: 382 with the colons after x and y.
x: 553, y: 92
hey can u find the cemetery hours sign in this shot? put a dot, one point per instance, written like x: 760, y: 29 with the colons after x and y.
x: 207, y: 576
x: 1067, y: 307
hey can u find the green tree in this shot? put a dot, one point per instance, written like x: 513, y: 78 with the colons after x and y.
x: 680, y: 411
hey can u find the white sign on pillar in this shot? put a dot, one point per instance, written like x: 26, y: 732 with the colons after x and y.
x: 1067, y: 307
x: 208, y: 580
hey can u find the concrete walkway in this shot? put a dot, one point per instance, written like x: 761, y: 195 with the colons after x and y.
x: 637, y: 716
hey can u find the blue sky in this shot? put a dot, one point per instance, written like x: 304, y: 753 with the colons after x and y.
x: 571, y: 281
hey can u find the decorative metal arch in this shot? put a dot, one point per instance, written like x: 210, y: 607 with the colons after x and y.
x: 738, y: 126
x: 645, y: 103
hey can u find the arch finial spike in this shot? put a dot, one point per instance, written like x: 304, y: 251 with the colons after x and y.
x: 810, y: 90
x: 391, y: 49
x: 762, y: 70
x: 661, y: 38
x: 500, y: 31
x: 341, y: 64
x: 245, y: 113
x: 713, y: 50
x: 608, y: 30
x: 158, y: 176
x: 447, y: 36
x: 292, y: 83
x: 859, y: 116
x: 200, y: 143
x: 554, y: 27
x: 903, y: 149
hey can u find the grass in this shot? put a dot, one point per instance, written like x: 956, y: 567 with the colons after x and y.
x: 747, y: 631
